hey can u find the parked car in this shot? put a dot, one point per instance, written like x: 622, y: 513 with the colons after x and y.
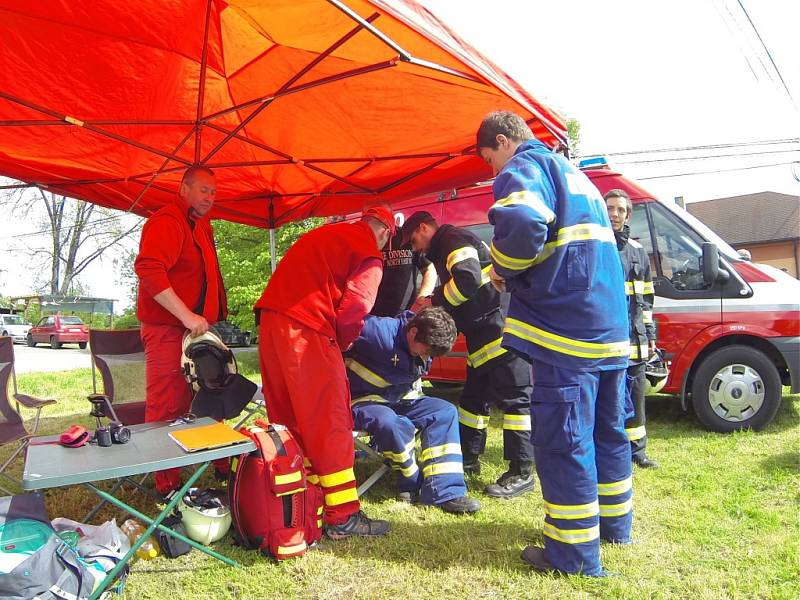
x: 14, y: 326
x: 57, y: 330
x: 231, y: 335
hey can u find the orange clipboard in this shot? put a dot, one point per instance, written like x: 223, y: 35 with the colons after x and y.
x: 207, y: 437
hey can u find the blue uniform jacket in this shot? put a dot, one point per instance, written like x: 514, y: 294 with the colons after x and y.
x: 379, y: 365
x: 554, y: 245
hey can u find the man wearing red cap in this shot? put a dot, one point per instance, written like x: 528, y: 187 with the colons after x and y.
x: 312, y: 309
x: 180, y: 289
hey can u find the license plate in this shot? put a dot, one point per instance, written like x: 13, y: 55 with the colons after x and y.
x: 76, y: 329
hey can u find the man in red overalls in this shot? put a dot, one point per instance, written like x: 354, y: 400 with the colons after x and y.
x: 180, y: 288
x: 312, y: 309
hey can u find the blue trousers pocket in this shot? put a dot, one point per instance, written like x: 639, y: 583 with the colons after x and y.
x: 555, y: 414
x: 628, y: 410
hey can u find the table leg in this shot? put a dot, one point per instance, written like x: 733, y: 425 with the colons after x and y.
x: 154, y: 524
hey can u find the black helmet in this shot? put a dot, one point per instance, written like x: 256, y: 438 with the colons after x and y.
x: 207, y: 362
x: 656, y: 373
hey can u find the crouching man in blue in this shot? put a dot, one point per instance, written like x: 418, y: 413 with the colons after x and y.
x: 385, y: 366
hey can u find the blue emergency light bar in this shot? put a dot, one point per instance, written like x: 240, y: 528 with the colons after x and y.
x: 594, y: 162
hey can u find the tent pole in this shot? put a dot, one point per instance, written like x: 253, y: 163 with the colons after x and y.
x: 272, y: 250
x: 272, y: 236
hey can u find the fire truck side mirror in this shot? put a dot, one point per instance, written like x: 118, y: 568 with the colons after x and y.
x: 711, y: 269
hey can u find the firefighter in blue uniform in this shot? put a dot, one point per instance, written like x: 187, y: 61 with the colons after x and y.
x: 385, y: 366
x: 553, y: 249
x: 640, y: 293
x: 494, y: 375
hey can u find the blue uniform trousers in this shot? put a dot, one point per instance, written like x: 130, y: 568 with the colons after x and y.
x: 583, y: 459
x: 437, y: 473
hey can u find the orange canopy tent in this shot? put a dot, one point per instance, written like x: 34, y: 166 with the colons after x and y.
x: 302, y: 107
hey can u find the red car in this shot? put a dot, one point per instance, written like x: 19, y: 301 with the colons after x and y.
x: 56, y: 330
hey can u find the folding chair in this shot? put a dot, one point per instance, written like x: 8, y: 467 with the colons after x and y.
x: 118, y: 356
x: 118, y: 360
x: 12, y: 427
x: 363, y: 447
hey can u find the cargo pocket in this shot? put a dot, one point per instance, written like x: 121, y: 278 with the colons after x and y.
x: 577, y: 266
x: 628, y: 410
x: 555, y: 415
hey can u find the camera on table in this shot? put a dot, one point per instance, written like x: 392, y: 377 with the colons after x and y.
x: 113, y: 433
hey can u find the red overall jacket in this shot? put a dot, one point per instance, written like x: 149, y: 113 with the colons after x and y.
x: 174, y: 254
x: 328, y: 280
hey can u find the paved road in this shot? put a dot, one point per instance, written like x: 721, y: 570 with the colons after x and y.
x: 44, y: 358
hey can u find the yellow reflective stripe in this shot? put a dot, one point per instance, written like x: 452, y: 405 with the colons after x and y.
x: 341, y: 497
x: 319, y: 510
x: 615, y: 487
x: 571, y: 536
x: 288, y: 478
x: 636, y: 433
x: 368, y: 398
x: 571, y: 511
x: 408, y: 471
x: 616, y: 510
x: 369, y: 376
x: 637, y: 286
x: 319, y: 523
x: 517, y: 422
x: 461, y: 254
x: 437, y: 451
x: 575, y: 233
x: 313, y: 479
x: 529, y: 199
x: 292, y: 549
x: 442, y: 468
x: 649, y: 288
x: 472, y: 420
x: 290, y: 492
x: 509, y: 262
x: 452, y: 294
x: 563, y: 344
x: 338, y: 478
x: 306, y: 462
x: 485, y: 275
x: 403, y: 455
x: 647, y: 316
x: 486, y: 353
x: 638, y: 351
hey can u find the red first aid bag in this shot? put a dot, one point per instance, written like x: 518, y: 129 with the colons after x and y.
x: 274, y: 507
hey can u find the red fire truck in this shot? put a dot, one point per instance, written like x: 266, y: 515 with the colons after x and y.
x: 730, y: 329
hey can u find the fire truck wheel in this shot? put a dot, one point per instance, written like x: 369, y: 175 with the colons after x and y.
x: 736, y: 388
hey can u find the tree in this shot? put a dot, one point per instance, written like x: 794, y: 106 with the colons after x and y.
x: 574, y: 138
x: 244, y: 260
x: 78, y: 233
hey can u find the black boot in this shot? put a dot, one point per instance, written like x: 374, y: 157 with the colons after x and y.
x: 472, y: 465
x: 514, y: 482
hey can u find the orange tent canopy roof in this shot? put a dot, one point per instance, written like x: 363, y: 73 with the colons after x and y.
x: 302, y: 109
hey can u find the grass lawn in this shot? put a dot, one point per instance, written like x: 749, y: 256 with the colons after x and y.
x: 719, y: 519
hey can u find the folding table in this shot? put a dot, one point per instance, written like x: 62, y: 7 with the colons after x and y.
x: 150, y: 449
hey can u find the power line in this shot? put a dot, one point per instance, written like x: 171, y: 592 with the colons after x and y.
x: 703, y: 147
x: 708, y: 156
x: 716, y: 171
x: 769, y: 55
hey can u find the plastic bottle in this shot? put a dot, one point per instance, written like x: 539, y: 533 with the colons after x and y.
x: 133, y: 530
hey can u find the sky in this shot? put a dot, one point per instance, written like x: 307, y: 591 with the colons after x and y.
x: 645, y: 75
x: 637, y: 74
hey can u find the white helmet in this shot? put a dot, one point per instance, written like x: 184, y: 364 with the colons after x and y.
x: 656, y: 373
x: 205, y: 515
x: 206, y: 362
